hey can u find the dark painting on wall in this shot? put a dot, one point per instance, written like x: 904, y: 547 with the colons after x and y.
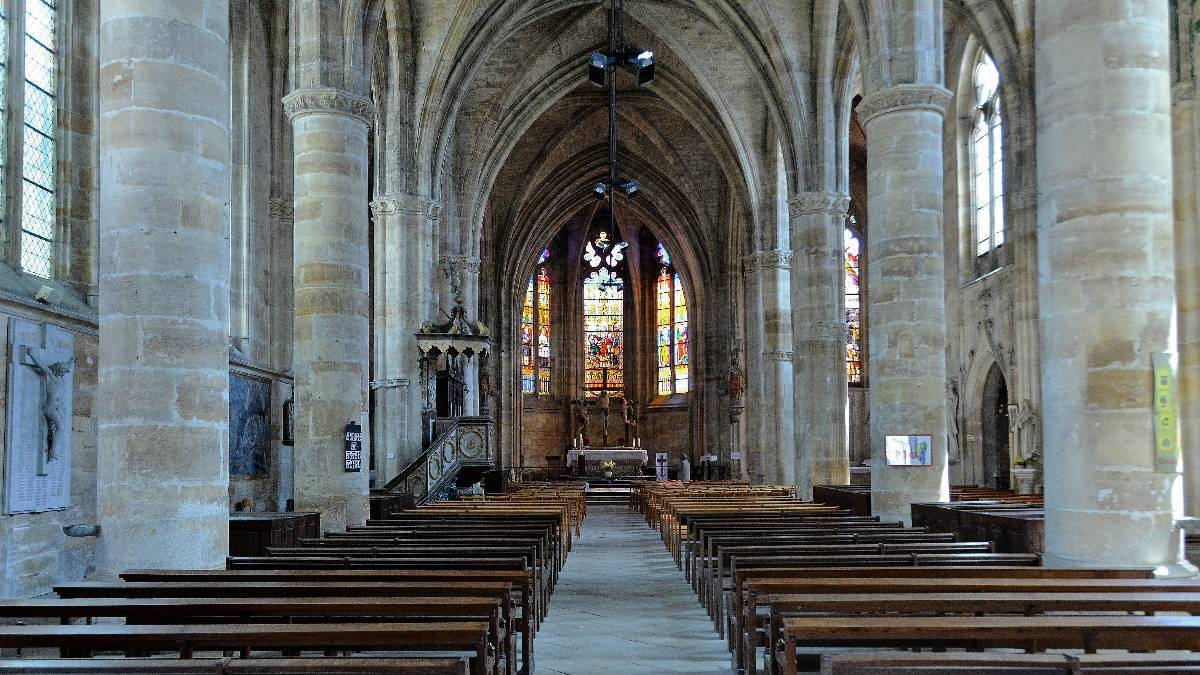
x: 249, y: 426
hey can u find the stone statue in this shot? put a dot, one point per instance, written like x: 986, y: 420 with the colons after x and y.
x: 630, y: 414
x: 53, y: 378
x: 581, y: 419
x: 454, y: 275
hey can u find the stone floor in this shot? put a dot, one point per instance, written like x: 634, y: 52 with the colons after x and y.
x: 621, y: 607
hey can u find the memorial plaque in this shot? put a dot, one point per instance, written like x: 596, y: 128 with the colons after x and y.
x: 353, y: 447
x: 41, y: 370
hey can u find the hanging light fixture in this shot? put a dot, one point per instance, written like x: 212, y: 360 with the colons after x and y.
x: 602, y: 71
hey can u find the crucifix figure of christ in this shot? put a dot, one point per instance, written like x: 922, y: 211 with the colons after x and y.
x: 604, y: 405
x: 52, y: 377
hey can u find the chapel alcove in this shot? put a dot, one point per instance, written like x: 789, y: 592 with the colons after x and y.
x: 994, y: 418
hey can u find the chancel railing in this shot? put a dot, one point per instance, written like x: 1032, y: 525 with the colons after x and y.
x: 461, y: 442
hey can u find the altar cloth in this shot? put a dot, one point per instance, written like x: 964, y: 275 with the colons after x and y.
x: 602, y: 454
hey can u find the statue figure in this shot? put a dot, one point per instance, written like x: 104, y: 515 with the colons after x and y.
x: 454, y: 275
x: 629, y: 412
x: 581, y: 419
x: 52, y: 379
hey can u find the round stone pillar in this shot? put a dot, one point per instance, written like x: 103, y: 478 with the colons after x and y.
x: 1107, y: 289
x: 776, y: 410
x: 818, y: 222
x: 163, y: 467
x: 332, y: 268
x: 907, y: 300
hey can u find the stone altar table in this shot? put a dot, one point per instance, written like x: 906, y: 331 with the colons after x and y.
x: 629, y: 461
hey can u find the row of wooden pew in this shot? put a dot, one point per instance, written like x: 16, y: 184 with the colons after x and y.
x: 453, y: 587
x: 794, y: 585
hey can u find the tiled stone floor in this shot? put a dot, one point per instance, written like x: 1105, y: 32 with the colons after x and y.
x: 621, y: 607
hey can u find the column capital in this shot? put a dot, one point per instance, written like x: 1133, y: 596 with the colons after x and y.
x: 465, y: 263
x: 408, y: 204
x: 767, y: 260
x: 328, y: 102
x: 904, y: 97
x: 809, y: 203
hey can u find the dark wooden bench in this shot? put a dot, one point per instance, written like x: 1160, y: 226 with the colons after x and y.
x: 1010, y: 664
x: 1031, y: 633
x: 81, y: 641
x: 226, y: 666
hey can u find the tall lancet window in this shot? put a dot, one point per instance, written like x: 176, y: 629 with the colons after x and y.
x: 987, y: 158
x: 854, y: 346
x: 603, y: 315
x: 671, y: 324
x: 28, y: 97
x: 535, y: 331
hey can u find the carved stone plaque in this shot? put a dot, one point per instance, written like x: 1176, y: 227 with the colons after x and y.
x: 41, y: 373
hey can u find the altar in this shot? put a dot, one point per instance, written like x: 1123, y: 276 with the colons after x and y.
x: 628, y: 461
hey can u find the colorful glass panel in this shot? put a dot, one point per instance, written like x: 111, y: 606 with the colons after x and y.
x: 663, y: 327
x: 682, y: 343
x: 603, y: 332
x: 854, y: 360
x: 528, y: 377
x: 543, y: 331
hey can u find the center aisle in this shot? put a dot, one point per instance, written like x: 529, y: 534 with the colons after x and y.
x: 621, y: 606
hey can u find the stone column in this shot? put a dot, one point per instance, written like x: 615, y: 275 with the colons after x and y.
x: 778, y: 420
x: 1186, y: 163
x: 907, y: 302
x: 1107, y: 281
x: 332, y: 270
x: 403, y: 249
x: 758, y: 469
x: 163, y: 464
x: 818, y: 222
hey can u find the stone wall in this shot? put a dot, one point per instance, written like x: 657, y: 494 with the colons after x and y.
x: 34, y: 551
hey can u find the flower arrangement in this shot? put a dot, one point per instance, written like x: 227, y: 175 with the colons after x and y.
x: 608, y: 465
x: 1030, y: 462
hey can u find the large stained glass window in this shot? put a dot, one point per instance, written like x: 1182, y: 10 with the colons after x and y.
x: 603, y: 315
x: 854, y: 357
x: 987, y: 158
x: 671, y: 328
x: 535, y: 332
x: 34, y: 98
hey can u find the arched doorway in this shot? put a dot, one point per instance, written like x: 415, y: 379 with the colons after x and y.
x: 994, y: 430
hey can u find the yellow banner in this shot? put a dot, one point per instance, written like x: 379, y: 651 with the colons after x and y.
x: 1166, y: 415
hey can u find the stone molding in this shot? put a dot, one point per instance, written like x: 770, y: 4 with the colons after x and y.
x: 780, y: 356
x: 903, y: 98
x: 406, y: 204
x: 328, y: 102
x: 1183, y: 91
x: 463, y: 263
x: 810, y: 203
x: 767, y: 260
x: 283, y: 207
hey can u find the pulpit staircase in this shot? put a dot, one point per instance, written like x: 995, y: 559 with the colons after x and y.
x: 460, y: 443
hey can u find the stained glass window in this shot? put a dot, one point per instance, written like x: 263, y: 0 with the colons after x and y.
x: 854, y: 361
x: 603, y: 332
x: 37, y: 120
x: 671, y: 328
x: 987, y: 158
x: 535, y: 332
x: 603, y: 314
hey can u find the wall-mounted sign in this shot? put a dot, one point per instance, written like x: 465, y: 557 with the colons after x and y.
x: 1166, y: 415
x: 908, y: 450
x: 353, y: 447
x: 661, y: 464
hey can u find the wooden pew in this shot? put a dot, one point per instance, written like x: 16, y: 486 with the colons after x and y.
x: 228, y: 666
x: 350, y: 591
x: 186, y: 639
x: 1031, y: 633
x: 1010, y: 664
